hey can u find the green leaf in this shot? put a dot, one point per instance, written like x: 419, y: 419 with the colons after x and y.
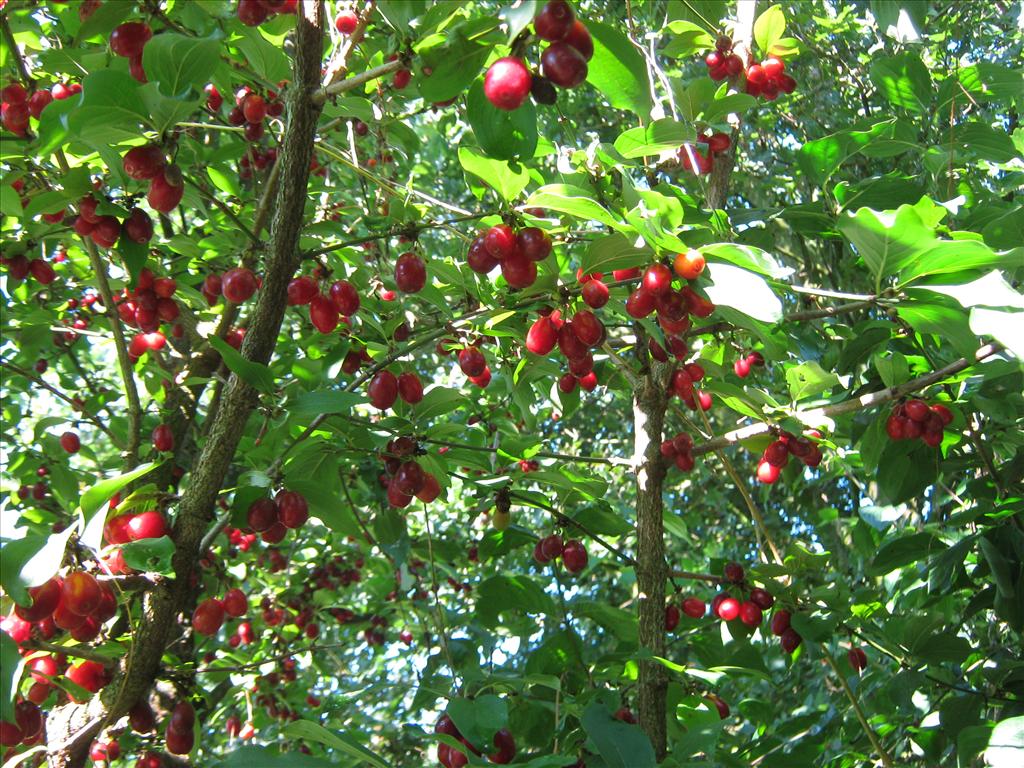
x: 620, y: 744
x: 268, y: 60
x: 255, y: 375
x: 809, y: 379
x: 455, y: 64
x: 309, y: 405
x: 1006, y: 744
x: 574, y: 201
x: 501, y: 134
x: 768, y: 28
x: 31, y: 561
x: 610, y: 252
x: 479, y: 719
x: 152, y: 555
x: 102, y: 492
x: 621, y: 622
x: 744, y: 291
x: 690, y: 39
x: 888, y: 241
x: 111, y: 111
x: 11, y: 662
x: 507, y: 179
x: 178, y: 63
x: 391, y: 532
x: 1004, y: 327
x: 344, y: 743
x: 654, y: 138
x: 904, y: 551
x: 618, y: 70
x: 503, y: 593
x: 904, y: 80
x: 270, y: 757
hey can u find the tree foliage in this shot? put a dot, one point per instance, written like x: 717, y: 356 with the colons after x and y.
x: 201, y: 229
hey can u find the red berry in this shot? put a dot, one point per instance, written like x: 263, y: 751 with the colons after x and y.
x: 163, y: 438
x: 657, y: 279
x: 790, y: 640
x: 534, y: 243
x: 166, y: 190
x: 383, y: 390
x: 346, y: 22
x: 507, y: 83
x: 554, y: 20
x: 563, y: 65
x: 410, y: 273
x: 767, y: 473
x: 292, y: 509
x: 574, y: 556
x: 672, y: 617
x: 130, y: 38
x: 728, y: 609
x: 146, y: 525
x: 145, y: 162
x: 500, y: 241
x: 595, y: 293
x: 579, y: 38
x: 694, y: 607
x: 761, y: 598
x: 345, y: 297
x: 410, y: 388
x: 208, y: 616
x: 70, y: 442
x: 750, y: 613
x: 780, y: 622
x: 472, y: 361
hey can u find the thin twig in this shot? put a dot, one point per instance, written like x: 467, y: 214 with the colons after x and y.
x: 883, y: 755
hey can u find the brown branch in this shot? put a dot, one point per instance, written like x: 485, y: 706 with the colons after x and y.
x: 872, y: 736
x: 318, y: 97
x: 78, y: 651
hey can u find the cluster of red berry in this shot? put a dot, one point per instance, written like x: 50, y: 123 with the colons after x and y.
x: 128, y: 40
x: 18, y: 105
x: 325, y: 310
x: 776, y: 455
x: 19, y: 267
x: 405, y: 477
x: 563, y: 63
x: 766, y: 79
x: 271, y: 518
x: 516, y: 252
x: 252, y: 13
x: 743, y: 364
x: 574, y: 339
x: 209, y: 615
x: 237, y: 285
x: 679, y: 449
x: 78, y: 603
x: 179, y: 737
x: 573, y: 553
x: 251, y: 109
x: 473, y: 363
x: 699, y: 161
x: 385, y: 388
x: 449, y: 757
x: 916, y: 419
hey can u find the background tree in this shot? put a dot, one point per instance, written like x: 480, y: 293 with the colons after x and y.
x: 586, y: 384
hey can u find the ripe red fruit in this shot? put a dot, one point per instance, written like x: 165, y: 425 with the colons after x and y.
x: 383, y: 389
x: 567, y: 383
x: 45, y: 598
x: 346, y: 22
x: 301, y: 290
x: 471, y: 361
x: 262, y: 514
x: 138, y: 226
x: 761, y: 598
x: 144, y: 162
x: 130, y: 38
x: 90, y: 675
x: 694, y: 607
x: 595, y: 293
x: 917, y: 410
x: 728, y: 609
x: 252, y: 13
x: 409, y: 478
x: 345, y: 297
x: 640, y: 303
x: 254, y: 108
x: 163, y: 438
x: 80, y: 593
x: 15, y: 93
x: 767, y: 473
x: 106, y: 231
x: 563, y: 65
x: 479, y: 258
x: 552, y: 546
x: 790, y: 640
x: 146, y: 525
x: 518, y: 270
x: 293, y: 511
x: 574, y: 556
x: 780, y: 622
x: 672, y: 617
x: 500, y: 241
x: 720, y: 705
x: 430, y: 489
x: 750, y: 613
x: 410, y: 273
x: 657, y: 280
x: 401, y: 79
x: 506, y: 747
x: 70, y: 442
x: 554, y: 20
x: 777, y: 454
x: 542, y: 336
x: 944, y: 414
x: 507, y: 83
x: 410, y: 388
x: 238, y: 284
x: 214, y: 101
x: 37, y: 102
x: 208, y: 617
x: 569, y: 343
x: 587, y: 328
x: 858, y: 659
x: 166, y: 190
x: 534, y: 243
x: 733, y: 572
x: 579, y: 38
x: 323, y: 313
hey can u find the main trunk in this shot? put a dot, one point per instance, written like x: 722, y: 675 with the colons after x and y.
x: 649, y: 405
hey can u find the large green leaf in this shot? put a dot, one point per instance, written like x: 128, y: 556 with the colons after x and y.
x: 10, y: 671
x: 342, y: 742
x: 270, y: 757
x: 457, y: 62
x: 615, y: 251
x: 620, y: 744
x: 501, y: 134
x: 574, y: 201
x: 254, y: 374
x: 479, y: 719
x: 504, y: 593
x: 903, y: 551
x: 903, y: 80
x: 30, y: 561
x: 744, y: 291
x: 1006, y: 744
x: 508, y: 179
x: 769, y: 28
x: 618, y: 70
x: 653, y: 138
x: 178, y: 63
x: 96, y: 497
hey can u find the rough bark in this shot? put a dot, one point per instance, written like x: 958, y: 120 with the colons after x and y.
x: 649, y: 405
x: 70, y: 728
